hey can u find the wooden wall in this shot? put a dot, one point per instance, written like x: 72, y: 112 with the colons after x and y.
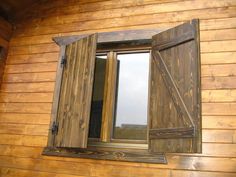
x: 26, y: 94
x: 5, y: 35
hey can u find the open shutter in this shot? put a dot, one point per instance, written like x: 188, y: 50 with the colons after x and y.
x: 75, y: 95
x: 174, y: 103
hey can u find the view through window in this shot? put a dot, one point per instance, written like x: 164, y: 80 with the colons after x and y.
x: 129, y: 121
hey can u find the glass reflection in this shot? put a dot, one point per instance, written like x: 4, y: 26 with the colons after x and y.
x: 132, y: 97
x: 97, y: 97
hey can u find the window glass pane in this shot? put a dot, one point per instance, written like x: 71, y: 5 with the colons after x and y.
x: 97, y: 97
x: 132, y: 97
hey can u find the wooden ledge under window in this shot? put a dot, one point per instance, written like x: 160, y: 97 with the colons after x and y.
x: 103, y: 153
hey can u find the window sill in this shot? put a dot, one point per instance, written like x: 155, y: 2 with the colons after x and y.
x: 104, y: 153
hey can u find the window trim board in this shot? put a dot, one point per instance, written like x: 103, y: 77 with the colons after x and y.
x: 115, y: 154
x: 115, y: 36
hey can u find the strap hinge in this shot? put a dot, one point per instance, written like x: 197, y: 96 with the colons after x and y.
x: 63, y: 61
x: 54, y: 128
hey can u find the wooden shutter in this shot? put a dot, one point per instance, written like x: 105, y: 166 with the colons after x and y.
x: 174, y: 103
x: 75, y: 95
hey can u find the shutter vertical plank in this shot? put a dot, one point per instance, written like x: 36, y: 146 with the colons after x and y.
x: 76, y: 93
x: 56, y: 95
x: 174, y: 111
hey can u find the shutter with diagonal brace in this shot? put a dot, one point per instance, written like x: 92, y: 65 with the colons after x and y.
x: 75, y: 94
x: 174, y: 102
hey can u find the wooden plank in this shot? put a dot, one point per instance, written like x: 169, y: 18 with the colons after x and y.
x: 218, y: 83
x: 25, y: 118
x: 31, y: 49
x: 219, y: 95
x: 28, y: 87
x: 219, y: 136
x: 33, y: 58
x: 218, y: 58
x: 56, y: 95
x: 181, y: 173
x: 73, y: 17
x: 26, y: 97
x: 214, y: 24
x: 163, y: 45
x: 219, y: 122
x: 28, y: 68
x: 75, y: 94
x: 133, y: 155
x: 12, y: 172
x: 112, y: 168
x: 25, y: 107
x: 171, y: 133
x: 21, y: 151
x: 221, y: 34
x: 219, y: 109
x: 226, y: 150
x: 23, y: 140
x: 172, y: 87
x: 29, y: 77
x: 218, y: 46
x: 202, y: 14
x: 21, y: 129
x: 218, y: 70
x: 109, y: 97
x: 77, y: 7
x: 115, y: 36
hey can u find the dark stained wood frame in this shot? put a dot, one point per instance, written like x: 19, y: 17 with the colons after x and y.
x: 107, y: 37
x: 190, y: 131
x: 139, y: 38
x: 103, y: 153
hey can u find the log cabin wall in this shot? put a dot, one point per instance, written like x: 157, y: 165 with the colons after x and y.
x: 5, y: 35
x: 28, y: 85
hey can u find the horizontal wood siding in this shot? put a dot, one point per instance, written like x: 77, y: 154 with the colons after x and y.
x: 5, y: 35
x: 29, y: 79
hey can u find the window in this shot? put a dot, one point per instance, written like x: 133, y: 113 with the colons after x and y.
x: 129, y: 119
x: 129, y: 96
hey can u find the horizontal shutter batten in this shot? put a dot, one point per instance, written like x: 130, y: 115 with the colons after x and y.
x: 183, y: 132
x: 174, y: 41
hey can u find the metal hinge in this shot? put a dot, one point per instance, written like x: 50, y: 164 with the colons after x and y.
x: 63, y: 61
x: 54, y: 128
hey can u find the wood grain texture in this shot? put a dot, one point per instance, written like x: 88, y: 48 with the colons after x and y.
x: 29, y: 77
x: 76, y: 93
x: 131, y: 10
x: 25, y: 118
x: 209, y: 27
x: 21, y: 154
x: 26, y: 97
x: 5, y: 34
x: 132, y: 20
x: 109, y: 154
x: 174, y: 107
x: 109, y: 97
x: 33, y: 58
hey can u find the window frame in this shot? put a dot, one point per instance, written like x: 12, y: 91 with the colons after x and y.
x: 172, y: 134
x: 109, y: 150
x: 111, y: 119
